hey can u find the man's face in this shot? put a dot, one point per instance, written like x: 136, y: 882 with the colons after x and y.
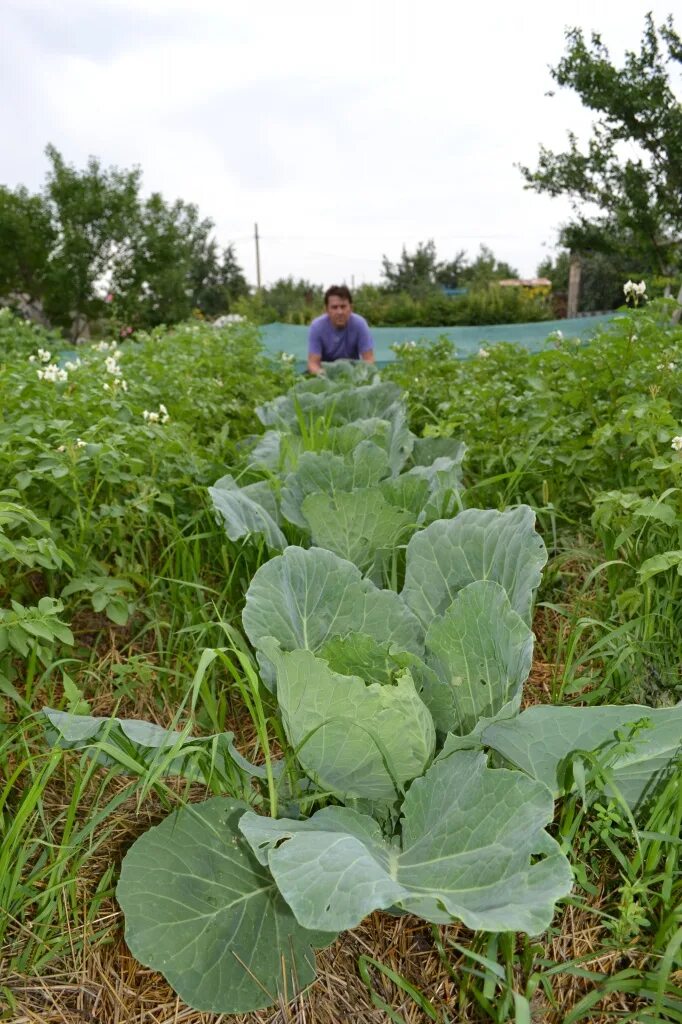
x: 338, y: 310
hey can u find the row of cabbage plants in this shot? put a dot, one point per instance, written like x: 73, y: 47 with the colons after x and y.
x: 392, y: 637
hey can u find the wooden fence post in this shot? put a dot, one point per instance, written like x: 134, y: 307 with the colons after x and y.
x: 574, y: 272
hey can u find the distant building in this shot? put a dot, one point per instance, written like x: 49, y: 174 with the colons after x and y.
x: 533, y: 285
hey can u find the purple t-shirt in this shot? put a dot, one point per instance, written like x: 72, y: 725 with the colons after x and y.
x: 331, y: 343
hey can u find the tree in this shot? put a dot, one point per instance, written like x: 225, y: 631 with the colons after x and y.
x: 232, y: 276
x: 90, y: 232
x: 216, y: 283
x: 27, y: 237
x: 556, y: 270
x: 622, y: 199
x: 420, y: 273
x: 173, y: 267
x: 287, y: 300
x: 152, y: 287
x: 208, y: 292
x: 486, y: 269
x: 449, y: 274
x: 415, y: 273
x: 94, y: 214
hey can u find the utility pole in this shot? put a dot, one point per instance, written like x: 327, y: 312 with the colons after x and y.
x: 255, y: 235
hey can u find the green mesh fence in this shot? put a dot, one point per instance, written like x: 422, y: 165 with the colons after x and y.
x: 467, y: 340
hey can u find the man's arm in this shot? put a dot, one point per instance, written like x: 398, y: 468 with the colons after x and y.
x: 365, y: 341
x: 315, y: 348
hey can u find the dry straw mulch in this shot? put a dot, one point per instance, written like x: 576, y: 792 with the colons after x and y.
x: 109, y: 987
x: 103, y: 984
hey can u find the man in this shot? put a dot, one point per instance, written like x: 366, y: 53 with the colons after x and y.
x: 339, y: 333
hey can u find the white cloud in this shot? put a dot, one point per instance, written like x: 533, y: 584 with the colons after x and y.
x: 345, y: 132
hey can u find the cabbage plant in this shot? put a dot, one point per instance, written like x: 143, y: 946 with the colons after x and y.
x: 393, y: 705
x: 341, y: 470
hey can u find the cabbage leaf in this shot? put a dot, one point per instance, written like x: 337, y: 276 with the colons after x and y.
x: 473, y: 848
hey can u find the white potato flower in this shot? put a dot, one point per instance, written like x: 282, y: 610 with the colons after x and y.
x: 222, y: 321
x: 676, y: 444
x: 634, y: 291
x: 53, y: 373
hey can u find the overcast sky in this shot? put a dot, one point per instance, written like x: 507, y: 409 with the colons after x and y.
x: 346, y: 131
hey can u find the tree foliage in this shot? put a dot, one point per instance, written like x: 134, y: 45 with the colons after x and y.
x: 414, y: 273
x: 420, y: 273
x: 28, y: 237
x: 486, y: 269
x: 287, y: 300
x: 174, y: 266
x: 625, y: 186
x: 92, y: 212
x: 90, y: 232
